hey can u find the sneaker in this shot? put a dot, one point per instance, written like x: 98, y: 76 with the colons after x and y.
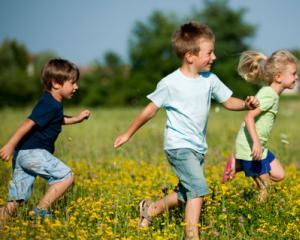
x: 41, y: 213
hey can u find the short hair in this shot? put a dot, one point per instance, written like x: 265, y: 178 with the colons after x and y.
x: 256, y: 67
x: 186, y: 39
x: 59, y: 71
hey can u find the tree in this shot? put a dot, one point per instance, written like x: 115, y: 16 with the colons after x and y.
x: 151, y: 55
x: 17, y: 84
x: 231, y: 33
x: 105, y: 84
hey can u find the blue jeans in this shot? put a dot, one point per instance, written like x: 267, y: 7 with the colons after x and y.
x: 27, y: 164
x: 188, y: 166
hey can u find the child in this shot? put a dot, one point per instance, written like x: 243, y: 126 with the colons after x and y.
x: 33, y: 142
x: 186, y: 95
x: 278, y: 72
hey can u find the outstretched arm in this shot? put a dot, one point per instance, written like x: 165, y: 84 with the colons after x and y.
x: 7, y: 150
x: 250, y: 125
x: 77, y: 119
x: 148, y: 113
x: 236, y: 104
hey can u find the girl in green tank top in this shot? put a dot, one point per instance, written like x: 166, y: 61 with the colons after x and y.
x: 278, y: 72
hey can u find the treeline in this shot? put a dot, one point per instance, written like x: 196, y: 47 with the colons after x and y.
x: 114, y: 82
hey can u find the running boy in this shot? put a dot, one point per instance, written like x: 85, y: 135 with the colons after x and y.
x: 186, y: 95
x: 32, y: 145
x: 278, y: 72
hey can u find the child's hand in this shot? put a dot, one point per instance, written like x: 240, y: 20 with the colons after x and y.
x: 6, y: 152
x: 85, y: 114
x: 120, y: 140
x: 251, y: 102
x: 256, y: 151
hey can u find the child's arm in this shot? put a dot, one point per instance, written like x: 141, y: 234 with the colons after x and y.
x: 7, y: 150
x: 250, y: 125
x: 236, y: 104
x: 77, y: 119
x: 148, y: 113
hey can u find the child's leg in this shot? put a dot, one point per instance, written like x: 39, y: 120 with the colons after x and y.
x: 42, y: 163
x: 192, y: 216
x: 160, y: 206
x: 8, y: 209
x: 55, y: 191
x: 20, y: 186
x: 262, y: 182
x: 277, y: 171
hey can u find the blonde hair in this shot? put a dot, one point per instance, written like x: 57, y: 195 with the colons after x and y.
x: 186, y: 38
x: 256, y: 67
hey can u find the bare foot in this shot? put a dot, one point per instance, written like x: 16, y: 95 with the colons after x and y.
x: 7, y: 210
x: 263, y: 194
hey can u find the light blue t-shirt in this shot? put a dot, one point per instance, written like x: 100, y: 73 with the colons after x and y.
x: 187, y: 102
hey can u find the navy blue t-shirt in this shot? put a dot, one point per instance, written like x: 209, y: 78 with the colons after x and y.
x: 48, y: 116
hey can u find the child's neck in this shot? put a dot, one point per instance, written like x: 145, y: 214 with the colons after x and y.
x: 56, y: 95
x: 189, y: 71
x: 277, y: 87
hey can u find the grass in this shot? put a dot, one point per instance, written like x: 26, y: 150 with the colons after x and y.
x: 110, y: 183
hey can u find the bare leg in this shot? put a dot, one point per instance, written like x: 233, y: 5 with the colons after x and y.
x: 8, y: 209
x: 277, y: 171
x: 262, y: 182
x: 192, y: 215
x: 163, y: 204
x: 54, y: 192
x: 160, y: 206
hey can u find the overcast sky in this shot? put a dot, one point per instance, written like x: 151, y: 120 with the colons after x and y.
x: 83, y: 31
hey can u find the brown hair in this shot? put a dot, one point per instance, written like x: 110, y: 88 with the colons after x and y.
x: 186, y: 39
x: 59, y: 71
x: 255, y: 66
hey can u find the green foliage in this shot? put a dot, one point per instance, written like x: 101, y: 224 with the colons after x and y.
x: 231, y: 33
x: 112, y: 82
x: 18, y: 85
x: 151, y: 54
x: 105, y: 84
x: 103, y: 203
x: 20, y: 74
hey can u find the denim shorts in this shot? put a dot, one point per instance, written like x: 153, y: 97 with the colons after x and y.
x: 188, y: 165
x: 27, y: 164
x: 256, y: 168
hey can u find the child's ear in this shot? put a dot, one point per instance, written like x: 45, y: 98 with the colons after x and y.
x: 55, y: 85
x: 189, y: 56
x: 277, y: 77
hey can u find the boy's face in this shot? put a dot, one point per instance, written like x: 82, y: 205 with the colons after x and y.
x: 66, y: 90
x: 204, y: 59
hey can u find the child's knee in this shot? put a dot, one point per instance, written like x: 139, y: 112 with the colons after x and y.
x: 281, y: 176
x: 71, y: 179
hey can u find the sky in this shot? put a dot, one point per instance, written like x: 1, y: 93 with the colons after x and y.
x: 83, y: 31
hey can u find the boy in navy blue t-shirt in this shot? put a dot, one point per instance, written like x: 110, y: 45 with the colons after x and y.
x: 32, y: 145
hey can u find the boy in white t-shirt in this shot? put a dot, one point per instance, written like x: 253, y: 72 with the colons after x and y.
x: 186, y: 96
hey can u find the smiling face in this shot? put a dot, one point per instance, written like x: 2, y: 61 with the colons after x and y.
x: 203, y: 60
x: 289, y: 76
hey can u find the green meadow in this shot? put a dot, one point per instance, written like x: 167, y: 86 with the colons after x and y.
x: 103, y: 204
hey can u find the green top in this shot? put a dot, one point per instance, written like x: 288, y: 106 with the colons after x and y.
x: 269, y: 102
